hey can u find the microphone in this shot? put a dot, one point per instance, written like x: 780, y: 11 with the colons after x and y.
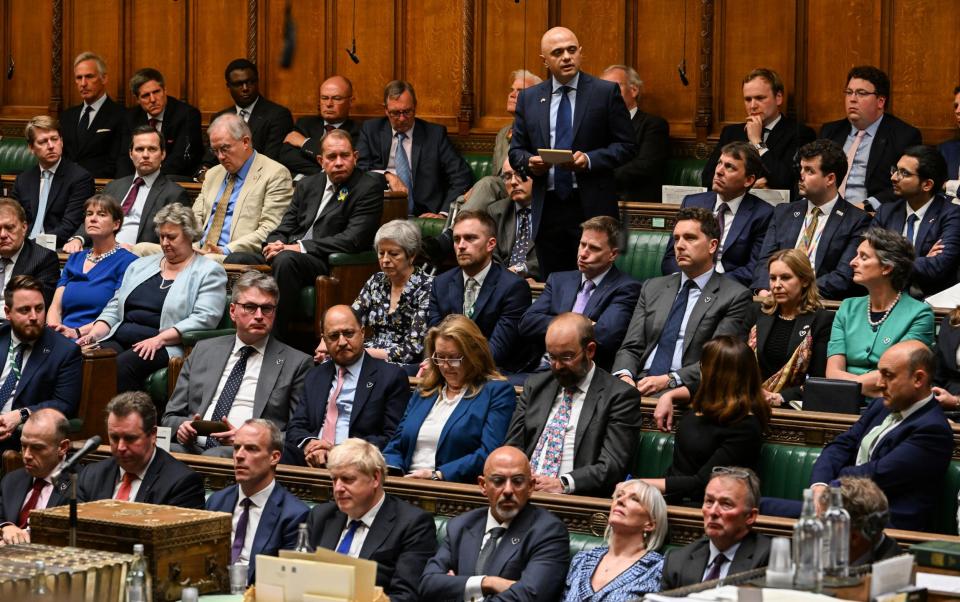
x: 682, y: 70
x: 70, y: 462
x: 352, y: 52
x: 289, y: 38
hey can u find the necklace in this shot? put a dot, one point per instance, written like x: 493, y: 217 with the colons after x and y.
x: 98, y: 258
x: 168, y: 283
x: 876, y: 325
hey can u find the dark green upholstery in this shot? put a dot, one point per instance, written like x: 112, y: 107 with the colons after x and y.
x: 945, y: 514
x: 429, y: 226
x: 15, y: 156
x: 684, y: 171
x: 785, y: 469
x: 578, y: 541
x: 653, y: 456
x: 643, y: 253
x: 481, y: 164
x: 156, y: 387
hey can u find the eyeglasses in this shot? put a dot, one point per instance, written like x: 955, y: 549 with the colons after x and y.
x: 251, y: 308
x: 335, y: 99
x: 333, y: 337
x: 222, y: 150
x: 566, y: 358
x: 898, y: 173
x: 403, y: 113
x: 731, y: 472
x: 242, y: 83
x: 450, y: 362
x: 858, y: 93
x: 507, y: 176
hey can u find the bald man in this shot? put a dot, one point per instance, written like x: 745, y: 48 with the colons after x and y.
x: 510, y: 551
x: 577, y: 112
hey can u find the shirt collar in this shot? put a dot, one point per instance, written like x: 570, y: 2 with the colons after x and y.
x: 259, y: 498
x: 149, y: 179
x: 870, y: 129
x: 248, y: 109
x: 701, y: 280
x: 732, y: 204
x: 492, y: 522
x: 919, y: 212
x: 260, y: 345
x: 826, y: 208
x: 371, y: 514
x: 355, y: 367
x: 143, y: 472
x: 596, y: 279
x: 912, y: 408
x: 633, y: 111
x: 16, y: 256
x: 774, y: 123
x: 584, y: 385
x: 52, y: 170
x: 97, y: 103
x: 729, y: 552
x: 158, y: 117
x: 572, y: 83
x: 241, y: 175
x: 409, y: 132
x: 480, y: 276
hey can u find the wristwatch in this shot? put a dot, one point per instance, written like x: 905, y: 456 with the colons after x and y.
x: 24, y: 414
x: 673, y: 381
x: 565, y: 483
x: 436, y: 476
x: 760, y: 147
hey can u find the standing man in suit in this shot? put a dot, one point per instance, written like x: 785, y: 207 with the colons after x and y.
x: 428, y: 169
x: 301, y: 146
x: 514, y: 218
x: 141, y: 194
x: 20, y: 256
x: 925, y: 217
x: 138, y: 470
x: 41, y: 368
x: 743, y: 217
x: 354, y: 395
x: 950, y: 150
x: 268, y: 121
x: 729, y: 545
x: 44, y: 442
x: 578, y: 408
x: 577, y: 112
x: 238, y: 377
x: 483, y: 290
x: 266, y: 517
x: 177, y: 121
x: 640, y: 178
x: 871, y: 138
x: 512, y: 550
x: 93, y: 130
x: 676, y: 314
x: 362, y: 521
x: 822, y: 223
x: 775, y: 136
x: 53, y: 192
x: 608, y: 300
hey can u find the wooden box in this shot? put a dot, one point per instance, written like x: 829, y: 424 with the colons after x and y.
x: 184, y: 547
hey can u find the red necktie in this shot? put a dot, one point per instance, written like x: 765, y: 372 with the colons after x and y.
x: 31, y: 503
x: 132, y: 195
x: 124, y: 492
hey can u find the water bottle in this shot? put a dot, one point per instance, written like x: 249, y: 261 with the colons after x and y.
x: 836, y: 536
x: 138, y: 578
x: 303, y: 540
x: 39, y: 584
x: 808, y: 546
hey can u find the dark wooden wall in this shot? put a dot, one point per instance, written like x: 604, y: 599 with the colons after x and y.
x: 459, y: 53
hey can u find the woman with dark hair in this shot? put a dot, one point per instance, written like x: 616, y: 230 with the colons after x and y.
x: 947, y: 380
x: 865, y: 327
x: 725, y: 423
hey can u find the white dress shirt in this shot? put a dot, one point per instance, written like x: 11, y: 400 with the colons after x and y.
x: 242, y: 407
x: 131, y: 221
x: 248, y: 110
x: 8, y: 366
x: 360, y: 535
x: 570, y: 436
x: 827, y: 210
x: 425, y: 452
x: 95, y: 105
x: 324, y: 200
x: 259, y: 501
x: 135, y: 485
x: 725, y: 567
x: 920, y: 213
x: 728, y: 217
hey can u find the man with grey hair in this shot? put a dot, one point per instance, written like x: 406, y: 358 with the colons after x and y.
x: 639, y: 179
x: 93, y: 130
x: 233, y: 378
x: 426, y: 166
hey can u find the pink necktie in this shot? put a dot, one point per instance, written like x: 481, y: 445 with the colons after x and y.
x: 330, y: 422
x: 851, y: 153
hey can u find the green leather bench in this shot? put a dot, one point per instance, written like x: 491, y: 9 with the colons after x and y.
x: 643, y: 252
x: 15, y: 156
x: 578, y: 541
x: 481, y: 164
x: 684, y: 171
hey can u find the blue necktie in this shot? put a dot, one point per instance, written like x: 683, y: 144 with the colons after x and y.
x: 229, y: 392
x: 671, y: 332
x: 521, y: 248
x: 46, y: 180
x: 10, y: 384
x: 344, y: 546
x: 911, y: 224
x: 403, y: 170
x: 563, y: 139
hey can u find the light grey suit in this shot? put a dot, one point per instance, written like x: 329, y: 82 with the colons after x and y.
x: 721, y: 309
x: 279, y: 385
x: 504, y: 212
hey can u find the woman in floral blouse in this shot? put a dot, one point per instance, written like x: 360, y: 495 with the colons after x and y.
x: 393, y: 302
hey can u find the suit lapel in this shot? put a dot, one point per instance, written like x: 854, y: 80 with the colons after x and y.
x: 334, y: 527
x: 218, y: 365
x: 312, y: 205
x: 543, y: 97
x: 253, y: 176
x: 386, y: 141
x: 269, y: 520
x: 380, y: 529
x: 456, y: 415
x: 38, y: 355
x: 697, y: 564
x: 590, y: 402
x: 801, y: 328
x: 833, y: 224
x: 270, y: 368
x: 876, y: 150
x: 598, y: 294
x: 470, y: 546
x: 153, y: 472
x: 797, y: 216
x: 365, y: 383
x: 488, y: 289
x: 663, y: 304
x: 148, y: 205
x: 707, y: 298
x: 583, y: 99
x: 509, y: 544
x: 742, y: 218
x: 415, y: 145
x: 928, y: 223
x: 59, y: 178
x: 743, y: 559
x: 764, y: 324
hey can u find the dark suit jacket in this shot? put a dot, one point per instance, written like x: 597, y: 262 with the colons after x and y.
x: 500, y: 304
x: 269, y: 123
x: 721, y: 309
x: 606, y: 430
x: 740, y: 251
x: 477, y: 426
x: 610, y: 307
x: 52, y: 374
x: 685, y: 566
x: 378, y: 404
x: 181, y: 134
x: 504, y: 213
x: 837, y: 246
x: 782, y: 144
x: 640, y: 178
x: 535, y: 552
x: 71, y: 187
x: 893, y: 137
x: 14, y: 489
x: 303, y: 160
x: 951, y: 153
x: 167, y: 481
x: 941, y: 222
x: 344, y: 227
x: 948, y: 374
x: 601, y: 129
x: 908, y: 464
x: 440, y: 174
x: 42, y: 264
x: 279, y: 522
x: 98, y: 149
x: 401, y: 540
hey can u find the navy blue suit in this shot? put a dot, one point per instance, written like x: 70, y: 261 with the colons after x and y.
x: 837, y: 246
x: 51, y: 376
x: 500, y: 304
x: 279, y: 521
x: 940, y: 222
x: 383, y: 390
x: 908, y: 464
x: 951, y: 152
x: 17, y: 485
x: 98, y: 149
x: 477, y: 426
x: 534, y: 552
x: 610, y: 307
x: 742, y: 247
x: 72, y: 185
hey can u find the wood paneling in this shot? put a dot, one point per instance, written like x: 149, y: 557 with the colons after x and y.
x: 158, y: 37
x: 27, y: 33
x: 432, y: 49
x: 214, y: 48
x: 94, y: 27
x: 376, y: 48
x: 296, y: 87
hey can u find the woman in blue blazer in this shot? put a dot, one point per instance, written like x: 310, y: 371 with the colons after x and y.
x: 459, y: 413
x: 161, y: 296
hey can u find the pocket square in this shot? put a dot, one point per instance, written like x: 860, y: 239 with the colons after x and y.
x: 103, y: 130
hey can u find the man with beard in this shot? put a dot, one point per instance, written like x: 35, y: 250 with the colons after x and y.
x: 512, y: 546
x: 42, y: 368
x: 578, y: 408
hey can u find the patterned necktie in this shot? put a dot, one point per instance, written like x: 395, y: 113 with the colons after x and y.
x: 84, y: 126
x: 806, y: 243
x: 154, y: 123
x: 486, y: 552
x: 229, y: 392
x: 563, y: 139
x: 551, y: 440
x: 220, y: 215
x: 851, y: 155
x: 15, y: 355
x: 132, y: 195
x: 518, y: 256
x: 347, y: 541
x: 241, y: 533
x: 911, y: 225
x: 403, y: 170
x: 243, y: 114
x: 31, y: 504
x: 721, y: 220
x: 330, y: 420
x: 470, y: 296
x: 583, y: 297
x: 718, y: 563
x: 870, y: 439
x: 663, y: 359
x: 46, y: 180
x: 126, y: 484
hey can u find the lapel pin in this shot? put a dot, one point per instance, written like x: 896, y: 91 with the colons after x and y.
x: 887, y: 340
x: 280, y: 361
x: 543, y: 100
x: 707, y: 299
x: 515, y: 540
x: 370, y: 385
x: 840, y: 213
x: 803, y: 331
x: 796, y: 214
x: 932, y: 219
x: 46, y: 350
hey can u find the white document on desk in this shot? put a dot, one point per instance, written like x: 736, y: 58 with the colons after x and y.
x: 939, y: 583
x: 890, y: 575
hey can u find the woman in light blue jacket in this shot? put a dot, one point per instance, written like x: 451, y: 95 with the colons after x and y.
x: 161, y: 296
